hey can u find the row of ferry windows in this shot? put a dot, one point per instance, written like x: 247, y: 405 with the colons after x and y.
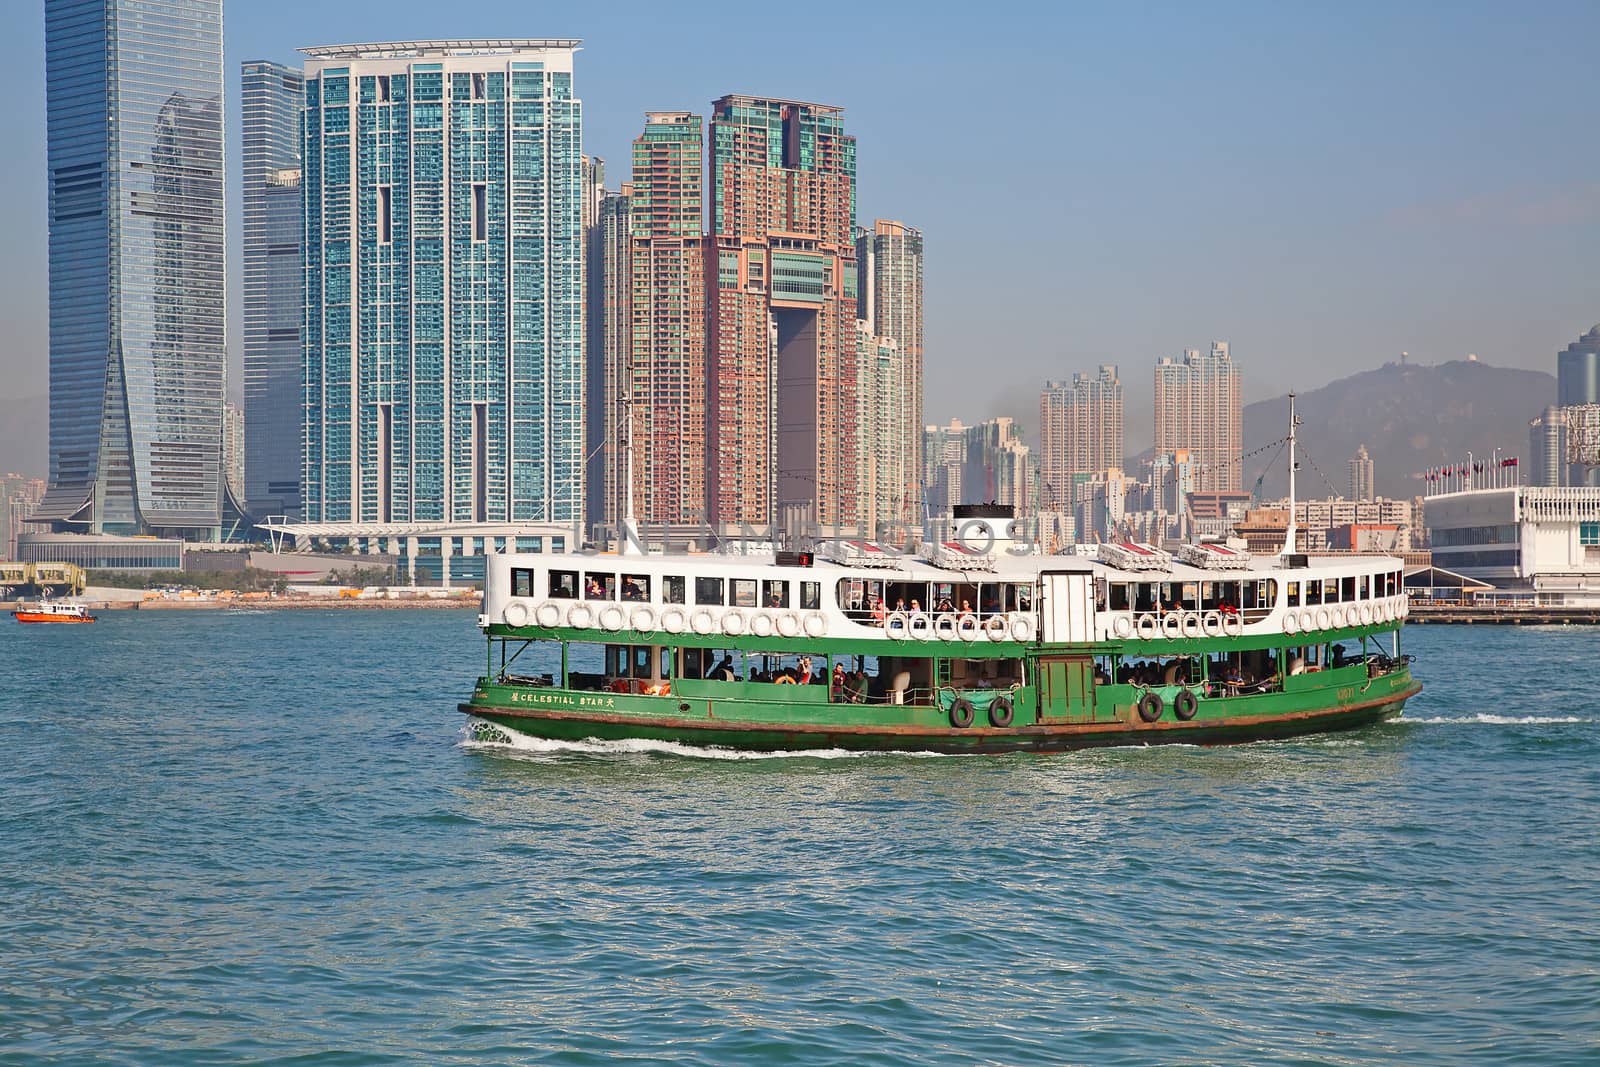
x: 731, y: 592
x: 1255, y: 594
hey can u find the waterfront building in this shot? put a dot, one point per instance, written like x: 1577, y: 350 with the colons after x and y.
x: 1198, y: 406
x: 889, y: 300
x: 273, y: 291
x: 1318, y: 520
x: 19, y: 496
x: 1080, y: 431
x: 781, y: 361
x: 135, y: 182
x: 1361, y: 475
x: 444, y: 286
x: 661, y: 379
x: 1543, y: 541
x: 234, y: 430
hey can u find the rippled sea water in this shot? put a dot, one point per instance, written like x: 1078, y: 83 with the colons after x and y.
x: 264, y: 837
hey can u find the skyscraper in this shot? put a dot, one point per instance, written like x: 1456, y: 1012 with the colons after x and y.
x: 613, y: 249
x: 886, y: 450
x: 1361, y: 476
x: 274, y: 287
x: 234, y: 430
x: 889, y: 299
x: 1080, y: 433
x: 444, y: 287
x: 1578, y: 371
x: 134, y: 101
x: 781, y: 325
x: 664, y: 376
x: 1198, y: 407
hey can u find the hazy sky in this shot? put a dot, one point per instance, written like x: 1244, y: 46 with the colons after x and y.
x: 1322, y: 188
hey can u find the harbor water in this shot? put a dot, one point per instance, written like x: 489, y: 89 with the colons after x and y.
x: 240, y: 837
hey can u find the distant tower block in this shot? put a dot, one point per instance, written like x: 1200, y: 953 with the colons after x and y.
x: 1583, y: 435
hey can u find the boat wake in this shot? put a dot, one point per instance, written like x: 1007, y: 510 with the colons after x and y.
x: 484, y: 736
x: 1486, y: 719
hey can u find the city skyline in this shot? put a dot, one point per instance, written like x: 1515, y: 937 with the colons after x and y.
x: 1511, y: 307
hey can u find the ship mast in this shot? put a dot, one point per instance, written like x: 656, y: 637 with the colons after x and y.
x: 1294, y: 465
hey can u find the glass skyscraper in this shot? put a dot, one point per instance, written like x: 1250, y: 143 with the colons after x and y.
x: 274, y: 287
x: 444, y: 345
x: 134, y: 101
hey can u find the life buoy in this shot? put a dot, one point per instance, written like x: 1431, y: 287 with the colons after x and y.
x: 994, y: 627
x: 1172, y: 625
x: 611, y: 618
x: 1211, y: 623
x: 673, y: 620
x: 548, y: 615
x: 762, y: 624
x: 644, y: 619
x: 1308, y: 621
x: 703, y: 622
x: 1022, y: 628
x: 1291, y: 622
x: 1184, y: 705
x: 1147, y: 627
x: 967, y: 628
x: 1324, y: 619
x: 1233, y: 625
x: 1405, y: 607
x: 788, y: 624
x: 919, y: 625
x: 1001, y: 713
x: 944, y: 627
x: 1191, y: 626
x: 961, y: 713
x: 516, y: 613
x: 1366, y: 615
x: 1151, y: 706
x: 815, y: 625
x: 1122, y: 626
x: 579, y: 617
x: 894, y: 626
x: 733, y: 622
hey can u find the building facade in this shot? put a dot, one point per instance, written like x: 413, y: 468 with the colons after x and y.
x: 889, y: 301
x: 137, y: 295
x: 273, y: 290
x: 1544, y: 541
x: 781, y: 293
x: 886, y: 451
x: 235, y: 429
x: 1080, y: 433
x: 1198, y: 407
x: 444, y: 286
x: 1578, y: 371
x: 1361, y: 475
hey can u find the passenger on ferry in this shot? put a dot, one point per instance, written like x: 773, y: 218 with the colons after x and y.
x: 631, y: 591
x: 944, y: 604
x: 878, y: 613
x: 966, y: 609
x: 916, y: 605
x: 723, y: 672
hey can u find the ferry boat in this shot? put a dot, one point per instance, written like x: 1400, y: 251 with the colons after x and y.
x: 973, y: 645
x: 52, y: 611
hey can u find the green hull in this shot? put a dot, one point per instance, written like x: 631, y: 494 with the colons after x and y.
x: 1339, y: 700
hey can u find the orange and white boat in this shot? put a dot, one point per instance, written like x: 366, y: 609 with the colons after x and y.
x: 46, y: 611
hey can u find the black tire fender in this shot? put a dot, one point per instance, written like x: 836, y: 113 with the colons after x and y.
x: 1151, y: 706
x: 1001, y: 712
x: 961, y: 713
x: 1184, y: 705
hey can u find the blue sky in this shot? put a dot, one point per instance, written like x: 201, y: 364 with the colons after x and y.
x: 1321, y: 186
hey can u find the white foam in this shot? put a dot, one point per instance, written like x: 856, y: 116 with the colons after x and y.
x: 593, y: 746
x: 1497, y: 720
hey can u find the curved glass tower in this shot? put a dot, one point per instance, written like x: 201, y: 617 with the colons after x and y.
x: 134, y: 100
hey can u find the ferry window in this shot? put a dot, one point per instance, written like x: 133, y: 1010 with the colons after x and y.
x: 744, y: 592
x: 810, y: 596
x: 635, y: 587
x: 672, y: 589
x: 1294, y: 594
x: 564, y: 585
x: 988, y: 598
x: 775, y: 594
x: 521, y: 582
x: 1313, y: 593
x: 1019, y: 597
x: 1119, y: 597
x: 708, y: 590
x: 1347, y: 589
x: 641, y: 661
x: 597, y: 586
x: 1364, y: 589
x: 1330, y: 590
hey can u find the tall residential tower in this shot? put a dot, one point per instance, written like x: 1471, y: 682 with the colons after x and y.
x: 274, y: 287
x: 781, y: 281
x: 889, y: 301
x: 134, y: 102
x: 1198, y: 407
x: 1080, y: 434
x: 444, y: 287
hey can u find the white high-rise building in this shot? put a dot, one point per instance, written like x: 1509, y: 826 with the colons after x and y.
x: 1080, y: 433
x: 1198, y: 407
